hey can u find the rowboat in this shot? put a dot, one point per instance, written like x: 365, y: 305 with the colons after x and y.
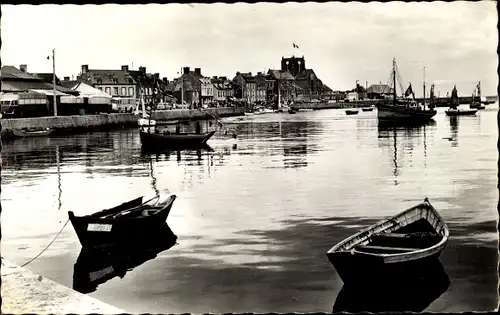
x: 126, y: 222
x: 292, y: 110
x: 94, y: 267
x: 41, y: 132
x: 367, y: 109
x: 352, y: 111
x: 174, y: 140
x: 409, y: 239
x: 404, y: 295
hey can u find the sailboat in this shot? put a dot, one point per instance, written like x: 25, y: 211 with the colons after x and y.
x: 431, y: 98
x: 403, y: 110
x: 474, y: 104
x: 145, y: 122
x: 454, y: 103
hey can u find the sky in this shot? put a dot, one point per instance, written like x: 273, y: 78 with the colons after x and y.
x: 342, y: 42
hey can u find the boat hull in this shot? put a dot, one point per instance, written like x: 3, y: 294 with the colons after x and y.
x: 461, y: 112
x: 24, y: 133
x: 95, y: 231
x: 474, y: 106
x: 153, y: 140
x: 351, y: 112
x: 412, y: 239
x: 369, y: 109
x: 405, y: 114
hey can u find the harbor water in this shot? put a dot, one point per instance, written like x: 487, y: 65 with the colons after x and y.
x: 256, y: 215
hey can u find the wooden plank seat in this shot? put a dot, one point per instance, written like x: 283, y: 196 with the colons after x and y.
x: 410, y: 240
x: 378, y: 249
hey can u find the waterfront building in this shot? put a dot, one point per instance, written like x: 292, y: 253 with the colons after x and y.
x: 306, y: 79
x: 117, y: 83
x: 222, y: 89
x: 379, y: 91
x: 245, y: 87
x: 261, y: 89
x: 200, y: 87
x: 205, y: 87
x: 284, y: 82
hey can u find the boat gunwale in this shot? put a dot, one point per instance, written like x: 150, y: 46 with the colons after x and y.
x: 168, y: 202
x: 425, y: 204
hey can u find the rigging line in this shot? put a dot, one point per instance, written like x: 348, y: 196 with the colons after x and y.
x: 46, y: 246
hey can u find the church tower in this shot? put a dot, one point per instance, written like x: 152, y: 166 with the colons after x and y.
x: 293, y: 64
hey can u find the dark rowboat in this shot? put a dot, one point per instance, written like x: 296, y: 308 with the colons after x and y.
x: 292, y: 110
x: 127, y: 222
x: 352, y: 111
x: 94, y: 267
x: 367, y: 109
x: 460, y: 112
x: 477, y: 106
x: 180, y: 140
x: 32, y: 132
x: 408, y: 240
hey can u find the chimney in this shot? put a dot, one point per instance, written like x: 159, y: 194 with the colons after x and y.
x: 23, y: 68
x: 165, y: 79
x: 259, y: 73
x: 238, y: 73
x: 197, y: 71
x: 125, y: 68
x: 85, y: 68
x: 143, y: 70
x: 157, y: 76
x: 185, y: 70
x: 66, y: 78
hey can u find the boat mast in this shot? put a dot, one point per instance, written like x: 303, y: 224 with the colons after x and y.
x: 424, y: 88
x: 394, y: 80
x: 182, y: 88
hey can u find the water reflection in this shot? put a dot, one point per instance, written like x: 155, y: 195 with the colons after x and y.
x: 95, y: 267
x: 397, y: 296
x: 408, y: 136
x: 454, y: 131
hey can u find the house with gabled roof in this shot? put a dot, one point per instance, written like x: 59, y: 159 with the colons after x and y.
x: 117, y: 83
x: 379, y: 91
x: 245, y: 87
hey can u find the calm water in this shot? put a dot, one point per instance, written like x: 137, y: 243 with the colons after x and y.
x: 255, y: 217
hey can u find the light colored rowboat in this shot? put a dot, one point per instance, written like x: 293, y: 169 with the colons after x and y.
x: 409, y: 239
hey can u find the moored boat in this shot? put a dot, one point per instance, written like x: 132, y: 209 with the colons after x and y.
x: 477, y: 104
x: 367, y: 109
x: 33, y: 132
x: 292, y: 110
x: 454, y: 109
x: 409, y: 239
x: 174, y: 140
x: 351, y: 111
x: 128, y: 221
x: 403, y: 110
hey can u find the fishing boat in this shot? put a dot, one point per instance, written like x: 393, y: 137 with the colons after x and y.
x: 130, y: 220
x: 386, y: 249
x: 403, y: 110
x: 351, y: 111
x: 454, y: 109
x: 475, y: 104
x: 174, y: 140
x: 94, y: 267
x: 292, y: 110
x: 32, y: 132
x: 367, y: 109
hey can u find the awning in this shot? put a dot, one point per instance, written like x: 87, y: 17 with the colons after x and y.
x: 50, y: 92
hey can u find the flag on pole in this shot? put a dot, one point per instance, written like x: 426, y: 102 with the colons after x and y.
x: 295, y: 45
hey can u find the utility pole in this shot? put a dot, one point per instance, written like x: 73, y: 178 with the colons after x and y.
x: 54, y: 80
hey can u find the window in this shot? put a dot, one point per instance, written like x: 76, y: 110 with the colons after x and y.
x: 124, y: 91
x: 107, y: 90
x: 99, y: 88
x: 115, y: 91
x: 131, y: 91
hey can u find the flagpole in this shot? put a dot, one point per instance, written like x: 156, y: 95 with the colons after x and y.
x: 54, y: 80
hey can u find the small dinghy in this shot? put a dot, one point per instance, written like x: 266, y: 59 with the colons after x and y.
x: 129, y: 221
x: 367, y: 109
x: 410, y: 239
x: 460, y: 112
x: 26, y: 132
x: 352, y: 111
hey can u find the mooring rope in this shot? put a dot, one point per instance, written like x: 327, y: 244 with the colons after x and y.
x: 47, y: 245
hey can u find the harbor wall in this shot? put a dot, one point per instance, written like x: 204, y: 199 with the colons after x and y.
x: 25, y: 292
x: 439, y: 102
x: 114, y: 120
